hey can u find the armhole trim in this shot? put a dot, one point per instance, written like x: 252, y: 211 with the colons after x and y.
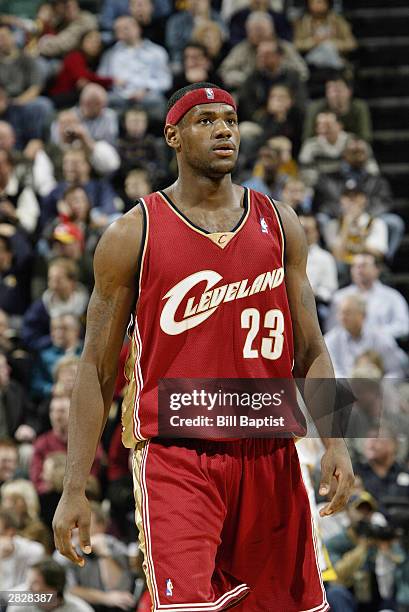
x: 139, y: 266
x: 281, y: 226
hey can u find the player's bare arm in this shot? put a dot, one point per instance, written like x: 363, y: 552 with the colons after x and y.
x: 312, y: 360
x: 111, y: 303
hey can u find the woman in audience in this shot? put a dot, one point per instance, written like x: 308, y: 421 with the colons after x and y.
x: 324, y: 36
x: 78, y: 69
x: 20, y: 497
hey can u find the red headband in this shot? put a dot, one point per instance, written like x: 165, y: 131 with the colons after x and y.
x: 205, y: 95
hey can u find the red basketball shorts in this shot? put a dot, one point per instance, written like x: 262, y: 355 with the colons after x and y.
x: 226, y: 525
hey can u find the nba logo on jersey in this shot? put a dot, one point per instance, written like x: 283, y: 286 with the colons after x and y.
x: 264, y: 226
x: 169, y: 587
x: 209, y: 93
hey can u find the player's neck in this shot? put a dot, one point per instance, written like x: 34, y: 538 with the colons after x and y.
x: 199, y: 190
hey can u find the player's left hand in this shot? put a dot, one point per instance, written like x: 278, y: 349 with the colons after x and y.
x: 336, y: 466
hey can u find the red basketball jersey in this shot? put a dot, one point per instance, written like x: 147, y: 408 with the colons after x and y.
x: 211, y: 305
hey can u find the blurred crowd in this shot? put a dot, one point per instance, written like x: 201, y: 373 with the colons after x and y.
x: 83, y: 93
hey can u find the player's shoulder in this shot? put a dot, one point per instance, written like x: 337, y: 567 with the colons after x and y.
x: 120, y: 244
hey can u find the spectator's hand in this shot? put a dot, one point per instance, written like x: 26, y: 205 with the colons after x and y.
x: 119, y: 599
x: 25, y: 433
x: 6, y: 546
x: 7, y: 209
x: 32, y: 148
x: 73, y: 511
x: 336, y: 464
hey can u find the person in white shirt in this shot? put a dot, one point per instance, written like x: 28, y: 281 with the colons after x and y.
x: 322, y: 153
x: 386, y: 307
x: 16, y: 553
x: 140, y: 68
x: 46, y: 579
x: 351, y: 337
x: 321, y: 265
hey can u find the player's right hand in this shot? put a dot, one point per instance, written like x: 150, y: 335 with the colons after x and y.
x: 73, y: 511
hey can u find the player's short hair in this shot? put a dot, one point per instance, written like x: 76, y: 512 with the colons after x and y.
x: 184, y: 90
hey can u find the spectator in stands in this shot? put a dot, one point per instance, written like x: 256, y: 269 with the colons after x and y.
x: 21, y: 78
x: 48, y: 576
x: 70, y: 235
x: 64, y: 295
x: 67, y: 132
x: 266, y: 177
x: 356, y: 231
x: 77, y: 171
x: 324, y: 36
x: 386, y: 308
x: 8, y: 460
x: 359, y: 169
x: 15, y: 272
x: 237, y: 25
x: 74, y: 210
x: 16, y: 552
x: 352, y: 113
x: 65, y: 332
x: 137, y: 185
x: 281, y: 117
x: 242, y: 59
x: 153, y: 26
x: 180, y: 26
x: 101, y: 122
x: 105, y: 580
x: 288, y: 165
x: 15, y: 116
x: 79, y: 68
x: 138, y: 148
x: 112, y: 9
x: 32, y: 167
x: 55, y: 440
x: 17, y: 357
x: 353, y: 554
x: 321, y: 267
x: 141, y: 68
x: 73, y: 23
x: 18, y: 203
x: 381, y: 473
x: 351, y: 337
x: 298, y: 196
x: 269, y: 71
x: 17, y: 414
x: 322, y: 153
x: 210, y: 35
x: 20, y: 497
x: 64, y: 374
x: 69, y: 240
x: 197, y: 67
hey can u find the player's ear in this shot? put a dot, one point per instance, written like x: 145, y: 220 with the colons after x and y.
x: 172, y: 136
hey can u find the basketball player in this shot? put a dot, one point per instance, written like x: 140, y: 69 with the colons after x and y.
x: 221, y: 523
